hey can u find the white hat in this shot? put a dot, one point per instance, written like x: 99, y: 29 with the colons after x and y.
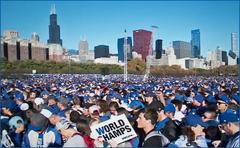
x: 93, y: 108
x: 63, y: 123
x: 39, y: 101
x: 45, y: 112
x: 91, y: 95
x: 24, y: 106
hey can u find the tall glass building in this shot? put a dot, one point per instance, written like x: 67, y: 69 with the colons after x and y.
x: 54, y: 28
x: 142, y: 42
x: 182, y: 49
x: 195, y: 43
x: 234, y: 43
x: 120, y: 44
x: 158, y: 48
x: 101, y: 51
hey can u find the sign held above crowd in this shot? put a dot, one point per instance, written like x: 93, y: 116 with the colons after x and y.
x: 116, y: 129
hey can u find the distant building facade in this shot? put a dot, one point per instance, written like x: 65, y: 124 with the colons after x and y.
x: 182, y: 49
x: 54, y: 28
x: 120, y: 44
x: 101, y: 51
x: 195, y: 43
x: 14, y: 48
x: 108, y: 60
x: 215, y: 58
x: 142, y: 42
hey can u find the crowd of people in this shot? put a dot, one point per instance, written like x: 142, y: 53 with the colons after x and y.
x: 57, y: 110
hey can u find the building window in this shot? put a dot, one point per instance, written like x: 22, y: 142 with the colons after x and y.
x: 5, y: 50
x: 29, y: 51
x: 18, y: 50
x: 47, y: 53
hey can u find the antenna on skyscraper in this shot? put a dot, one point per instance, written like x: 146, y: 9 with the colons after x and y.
x: 149, y: 56
x: 84, y: 37
x: 53, y: 9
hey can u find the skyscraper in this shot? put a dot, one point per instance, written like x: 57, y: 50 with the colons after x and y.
x: 83, y: 47
x: 54, y: 28
x: 101, y: 51
x: 195, y: 43
x: 225, y: 57
x: 182, y: 49
x: 158, y: 49
x: 234, y: 43
x: 120, y: 44
x: 142, y: 42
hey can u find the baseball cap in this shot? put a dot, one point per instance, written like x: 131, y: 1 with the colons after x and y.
x: 47, y: 113
x: 19, y: 96
x: 94, y: 109
x: 169, y: 108
x: 199, y: 98
x: 225, y: 99
x: 211, y: 99
x: 38, y: 101
x: 63, y: 123
x: 227, y: 117
x: 15, y: 121
x: 149, y: 94
x: 136, y: 104
x: 194, y: 120
x: 24, y: 106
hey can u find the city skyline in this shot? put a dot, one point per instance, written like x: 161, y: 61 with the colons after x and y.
x: 104, y: 22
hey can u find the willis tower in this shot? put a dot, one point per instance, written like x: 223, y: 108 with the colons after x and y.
x: 54, y: 28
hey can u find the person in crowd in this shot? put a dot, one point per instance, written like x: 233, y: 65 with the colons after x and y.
x: 178, y: 113
x: 104, y: 109
x: 52, y: 104
x: 84, y: 129
x: 86, y: 113
x: 16, y: 129
x: 94, y: 111
x: 75, y: 116
x: 223, y: 104
x: 77, y: 104
x: 113, y: 106
x: 160, y: 96
x: 165, y: 123
x: 39, y: 134
x: 151, y: 101
x: 192, y: 133
x: 70, y: 136
x: 63, y: 106
x: 38, y: 104
x: 230, y: 124
x: 147, y: 120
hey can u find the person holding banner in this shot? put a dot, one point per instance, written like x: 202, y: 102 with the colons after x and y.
x: 147, y: 120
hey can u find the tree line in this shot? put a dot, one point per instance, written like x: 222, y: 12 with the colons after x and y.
x: 136, y: 66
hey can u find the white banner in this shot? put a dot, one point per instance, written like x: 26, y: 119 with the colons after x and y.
x: 117, y: 129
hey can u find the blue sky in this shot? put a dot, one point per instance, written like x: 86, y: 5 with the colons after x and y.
x: 102, y: 22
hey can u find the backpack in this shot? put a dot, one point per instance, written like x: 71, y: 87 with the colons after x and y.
x: 164, y: 141
x: 6, y: 140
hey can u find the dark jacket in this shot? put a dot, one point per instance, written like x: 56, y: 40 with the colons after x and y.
x: 171, y: 130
